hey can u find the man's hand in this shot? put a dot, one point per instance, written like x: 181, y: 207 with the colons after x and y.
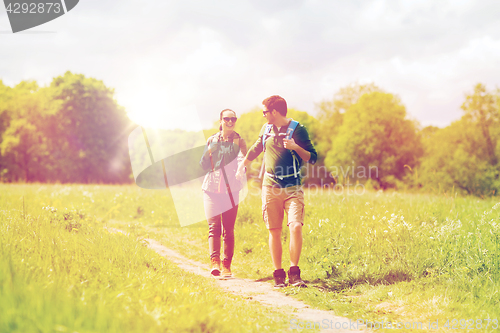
x: 290, y: 144
x: 240, y: 173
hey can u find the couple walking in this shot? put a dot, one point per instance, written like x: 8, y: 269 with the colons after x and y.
x: 286, y: 145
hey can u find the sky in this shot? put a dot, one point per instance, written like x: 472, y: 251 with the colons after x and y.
x: 177, y: 64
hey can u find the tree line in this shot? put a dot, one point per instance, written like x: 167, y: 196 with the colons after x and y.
x: 364, y: 135
x: 73, y: 130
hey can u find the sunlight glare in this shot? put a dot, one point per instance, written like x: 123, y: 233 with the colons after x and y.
x: 159, y: 114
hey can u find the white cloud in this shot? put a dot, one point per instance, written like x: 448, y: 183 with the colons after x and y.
x: 168, y: 55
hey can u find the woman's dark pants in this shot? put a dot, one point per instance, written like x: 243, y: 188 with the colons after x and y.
x: 221, y: 216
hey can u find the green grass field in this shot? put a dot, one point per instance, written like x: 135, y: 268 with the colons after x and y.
x: 61, y: 271
x: 377, y: 256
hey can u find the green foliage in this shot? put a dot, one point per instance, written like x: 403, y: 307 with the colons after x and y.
x: 5, y: 96
x: 331, y: 113
x: 311, y: 123
x: 481, y: 109
x: 460, y: 167
x: 24, y: 143
x: 70, y: 131
x: 249, y: 125
x: 375, y: 134
x: 93, y: 130
x: 74, y: 131
x: 465, y: 154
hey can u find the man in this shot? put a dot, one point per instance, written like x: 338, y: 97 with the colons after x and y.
x: 281, y: 187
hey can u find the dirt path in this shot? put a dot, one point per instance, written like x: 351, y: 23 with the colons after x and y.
x: 261, y: 292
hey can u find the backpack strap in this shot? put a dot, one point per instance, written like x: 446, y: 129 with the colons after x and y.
x: 266, y: 134
x: 289, y: 132
x: 235, y: 139
x: 209, y: 142
x: 291, y: 128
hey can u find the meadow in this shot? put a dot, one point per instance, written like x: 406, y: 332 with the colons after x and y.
x: 62, y: 271
x: 387, y: 256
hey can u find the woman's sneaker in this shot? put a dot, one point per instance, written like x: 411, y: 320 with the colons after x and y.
x: 279, y: 278
x: 226, y: 269
x: 294, y: 277
x: 215, y: 267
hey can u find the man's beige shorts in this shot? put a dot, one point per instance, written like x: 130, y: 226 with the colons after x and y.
x: 277, y: 200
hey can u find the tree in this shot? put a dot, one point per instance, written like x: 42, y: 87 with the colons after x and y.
x: 91, y: 130
x: 464, y: 155
x: 249, y: 125
x: 5, y: 92
x: 70, y: 131
x: 331, y: 113
x: 376, y: 140
x: 481, y: 109
x: 23, y: 145
x: 5, y: 96
x: 455, y: 157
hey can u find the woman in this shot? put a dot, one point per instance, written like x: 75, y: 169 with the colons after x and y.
x: 221, y: 190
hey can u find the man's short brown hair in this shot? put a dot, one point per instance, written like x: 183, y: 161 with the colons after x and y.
x: 277, y: 103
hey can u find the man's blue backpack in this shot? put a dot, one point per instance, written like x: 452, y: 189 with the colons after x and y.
x: 289, y: 132
x: 288, y: 135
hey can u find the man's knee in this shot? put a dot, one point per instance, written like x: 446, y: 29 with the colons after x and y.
x: 295, y: 227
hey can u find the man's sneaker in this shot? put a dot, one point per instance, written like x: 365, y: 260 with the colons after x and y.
x: 294, y: 277
x: 279, y: 278
x: 215, y: 269
x: 226, y: 269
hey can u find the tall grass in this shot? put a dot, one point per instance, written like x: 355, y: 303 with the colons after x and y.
x: 449, y: 246
x: 60, y: 270
x: 417, y: 247
x: 376, y: 255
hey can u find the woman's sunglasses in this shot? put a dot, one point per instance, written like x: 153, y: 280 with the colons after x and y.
x: 227, y: 119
